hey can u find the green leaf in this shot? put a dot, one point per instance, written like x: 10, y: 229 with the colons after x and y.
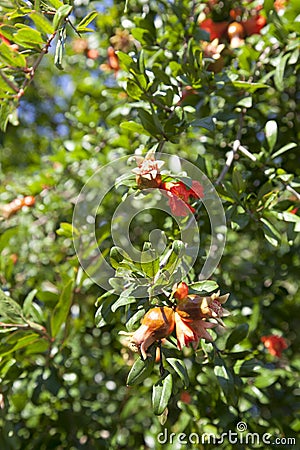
x: 81, y: 27
x: 135, y: 127
x: 225, y: 379
x: 6, y: 365
x: 125, y: 60
x: 28, y: 302
x: 279, y: 72
x: 143, y: 36
x: 149, y: 261
x: 42, y: 24
x: 268, y: 5
x: 161, y: 393
x: 6, y: 89
x: 203, y: 286
x: 179, y: 367
x: 289, y: 217
x: 122, y: 301
x: 238, y: 182
x: 249, y: 87
x: 117, y: 255
x: 265, y: 380
x: 284, y: 149
x: 237, y: 335
x: 65, y: 229
x: 61, y: 310
x: 133, y: 90
x: 59, y: 51
x: 61, y: 15
x: 149, y: 123
x: 23, y: 341
x: 104, y: 313
x: 10, y: 57
x: 55, y: 3
x: 271, y: 233
x: 245, y: 102
x: 140, y: 370
x: 130, y: 324
x: 249, y: 368
x: 10, y: 311
x: 271, y: 133
x: 29, y: 37
x: 178, y: 247
x: 205, y: 122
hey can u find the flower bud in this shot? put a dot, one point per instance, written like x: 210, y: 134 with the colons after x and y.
x: 148, y: 172
x: 181, y: 291
x: 157, y: 324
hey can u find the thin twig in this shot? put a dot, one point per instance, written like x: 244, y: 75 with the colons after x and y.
x: 72, y: 26
x: 292, y: 190
x: 15, y: 325
x: 9, y: 82
x: 36, y: 65
x: 246, y: 152
x: 156, y: 102
x: 41, y: 330
x: 229, y: 161
x: 235, y: 147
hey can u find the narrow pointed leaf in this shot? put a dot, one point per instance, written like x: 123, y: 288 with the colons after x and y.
x: 161, y: 393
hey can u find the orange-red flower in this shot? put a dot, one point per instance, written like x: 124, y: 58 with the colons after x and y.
x: 112, y: 61
x: 254, y: 24
x: 185, y: 397
x: 215, y: 29
x: 181, y: 291
x: 194, y: 307
x: 157, y: 324
x: 191, y: 331
x: 191, y: 314
x: 179, y: 195
x: 274, y: 344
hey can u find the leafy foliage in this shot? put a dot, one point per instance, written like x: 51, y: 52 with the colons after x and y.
x: 81, y: 85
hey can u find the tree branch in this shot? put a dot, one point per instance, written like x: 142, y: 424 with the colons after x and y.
x: 292, y: 190
x: 235, y: 147
x: 229, y: 161
x: 9, y: 82
x: 36, y: 65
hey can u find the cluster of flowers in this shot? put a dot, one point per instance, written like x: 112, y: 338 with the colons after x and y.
x: 239, y: 23
x: 274, y: 344
x: 189, y: 317
x: 148, y: 176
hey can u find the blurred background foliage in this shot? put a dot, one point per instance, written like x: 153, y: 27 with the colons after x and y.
x: 63, y: 381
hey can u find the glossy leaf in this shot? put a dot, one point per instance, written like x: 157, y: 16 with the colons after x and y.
x: 238, y: 334
x: 140, y: 370
x: 27, y: 305
x: 42, y: 24
x: 61, y: 310
x: 180, y: 369
x: 203, y: 286
x: 61, y: 14
x: 271, y: 133
x: 161, y: 393
x: 82, y: 26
